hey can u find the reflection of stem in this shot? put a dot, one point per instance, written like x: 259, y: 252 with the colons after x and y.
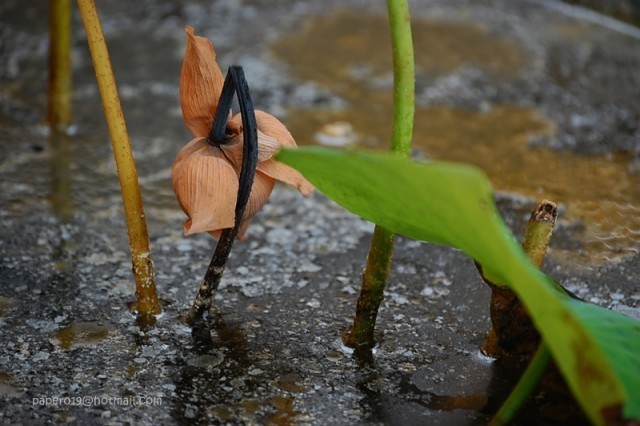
x: 379, y: 260
x: 525, y: 386
x: 61, y: 176
x: 59, y: 107
x: 234, y: 81
x: 146, y: 295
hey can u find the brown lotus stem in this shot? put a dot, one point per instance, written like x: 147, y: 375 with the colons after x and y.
x: 535, y: 244
x: 512, y: 332
x: 146, y: 295
x: 372, y: 292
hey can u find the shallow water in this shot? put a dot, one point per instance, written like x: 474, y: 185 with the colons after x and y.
x: 599, y: 195
x: 79, y: 334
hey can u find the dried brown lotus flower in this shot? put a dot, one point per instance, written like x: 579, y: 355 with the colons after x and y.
x: 205, y: 177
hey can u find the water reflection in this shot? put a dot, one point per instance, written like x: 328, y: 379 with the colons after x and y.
x: 600, y: 195
x: 82, y: 334
x: 61, y: 186
x: 220, y: 381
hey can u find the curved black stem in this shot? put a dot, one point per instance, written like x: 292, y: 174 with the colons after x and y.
x: 217, y: 134
x: 235, y: 83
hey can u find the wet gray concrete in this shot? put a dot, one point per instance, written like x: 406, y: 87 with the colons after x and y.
x: 273, y: 352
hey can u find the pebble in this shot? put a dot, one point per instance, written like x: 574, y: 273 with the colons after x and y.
x: 338, y: 133
x: 40, y: 356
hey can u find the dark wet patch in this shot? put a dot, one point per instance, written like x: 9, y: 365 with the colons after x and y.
x: 6, y: 303
x: 7, y: 386
x: 82, y: 334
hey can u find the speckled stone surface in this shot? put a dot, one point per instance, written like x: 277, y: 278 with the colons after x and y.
x: 273, y: 352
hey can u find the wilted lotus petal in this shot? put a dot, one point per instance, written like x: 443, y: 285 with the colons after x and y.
x: 206, y: 187
x: 201, y: 82
x: 205, y: 177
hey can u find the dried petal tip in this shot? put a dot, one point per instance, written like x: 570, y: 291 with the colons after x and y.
x: 272, y: 127
x: 200, y: 84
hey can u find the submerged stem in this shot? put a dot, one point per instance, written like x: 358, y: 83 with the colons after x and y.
x: 235, y: 82
x: 146, y: 295
x: 379, y: 260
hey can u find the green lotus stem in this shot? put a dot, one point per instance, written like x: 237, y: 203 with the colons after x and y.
x: 59, y: 107
x: 525, y: 386
x: 403, y: 76
x: 146, y: 296
x: 379, y: 259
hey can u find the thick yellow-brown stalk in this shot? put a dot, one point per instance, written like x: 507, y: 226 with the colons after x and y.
x: 59, y: 108
x: 146, y: 295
